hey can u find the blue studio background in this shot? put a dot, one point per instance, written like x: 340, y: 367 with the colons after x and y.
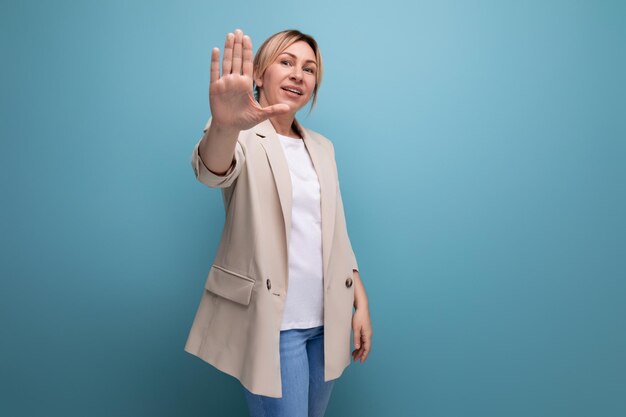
x: 481, y: 148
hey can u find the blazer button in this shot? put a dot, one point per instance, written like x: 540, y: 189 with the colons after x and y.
x: 348, y: 282
x: 269, y: 284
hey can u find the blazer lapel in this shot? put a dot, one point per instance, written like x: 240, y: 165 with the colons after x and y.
x: 280, y: 168
x: 322, y: 161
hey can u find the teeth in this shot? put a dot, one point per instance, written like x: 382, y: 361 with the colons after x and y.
x: 293, y: 91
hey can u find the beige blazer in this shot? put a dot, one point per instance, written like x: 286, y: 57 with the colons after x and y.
x: 237, y: 325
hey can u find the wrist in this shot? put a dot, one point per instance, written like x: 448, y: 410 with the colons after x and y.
x: 223, y: 131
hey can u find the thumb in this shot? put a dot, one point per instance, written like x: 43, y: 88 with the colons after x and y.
x: 276, y: 109
x: 357, y: 338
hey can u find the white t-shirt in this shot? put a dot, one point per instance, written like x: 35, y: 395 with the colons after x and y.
x: 304, y: 305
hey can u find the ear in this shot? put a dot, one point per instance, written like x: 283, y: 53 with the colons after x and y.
x: 258, y: 82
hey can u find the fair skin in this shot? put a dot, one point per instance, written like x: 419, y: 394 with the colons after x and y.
x: 233, y: 109
x: 294, y: 68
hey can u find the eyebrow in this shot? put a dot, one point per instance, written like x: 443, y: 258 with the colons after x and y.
x: 289, y: 53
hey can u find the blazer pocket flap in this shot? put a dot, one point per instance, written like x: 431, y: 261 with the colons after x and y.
x: 229, y: 284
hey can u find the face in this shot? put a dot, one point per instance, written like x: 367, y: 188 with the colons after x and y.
x: 293, y: 69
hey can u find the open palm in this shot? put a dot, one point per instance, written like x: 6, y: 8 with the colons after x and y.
x: 230, y: 96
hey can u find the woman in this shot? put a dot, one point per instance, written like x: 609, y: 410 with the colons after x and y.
x: 285, y: 229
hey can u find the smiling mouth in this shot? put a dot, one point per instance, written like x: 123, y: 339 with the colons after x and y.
x: 292, y: 90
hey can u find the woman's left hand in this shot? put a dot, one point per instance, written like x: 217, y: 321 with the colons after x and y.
x: 362, y: 327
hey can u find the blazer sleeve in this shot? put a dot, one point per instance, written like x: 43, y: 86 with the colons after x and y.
x: 211, y: 179
x: 355, y: 265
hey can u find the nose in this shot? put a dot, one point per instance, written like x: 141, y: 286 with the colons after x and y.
x: 296, y: 74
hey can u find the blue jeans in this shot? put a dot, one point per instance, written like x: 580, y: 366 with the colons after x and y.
x: 305, y: 394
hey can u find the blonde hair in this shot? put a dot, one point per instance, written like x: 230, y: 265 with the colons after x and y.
x: 274, y: 46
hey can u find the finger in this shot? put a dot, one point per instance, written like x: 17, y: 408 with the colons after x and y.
x: 237, y: 52
x: 276, y: 109
x: 247, y: 56
x: 215, y: 65
x: 357, y: 339
x: 363, y: 342
x: 366, y: 349
x: 227, y: 62
x: 359, y: 353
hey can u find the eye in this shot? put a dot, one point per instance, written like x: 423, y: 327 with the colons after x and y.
x: 284, y: 61
x: 311, y: 70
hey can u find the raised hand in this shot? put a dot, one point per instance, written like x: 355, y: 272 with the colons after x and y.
x: 231, y: 98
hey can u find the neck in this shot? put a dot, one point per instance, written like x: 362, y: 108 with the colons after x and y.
x: 283, y: 123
